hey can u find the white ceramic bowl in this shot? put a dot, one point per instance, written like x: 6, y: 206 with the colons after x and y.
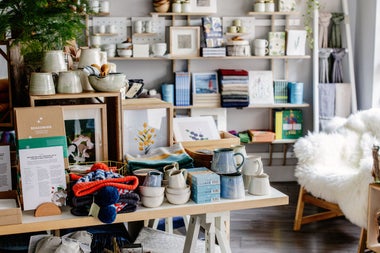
x: 178, y: 199
x: 111, y: 83
x: 124, y: 52
x: 152, y: 201
x: 151, y: 191
x: 124, y: 45
x: 177, y: 190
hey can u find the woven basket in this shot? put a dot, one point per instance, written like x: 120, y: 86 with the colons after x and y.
x: 200, y: 159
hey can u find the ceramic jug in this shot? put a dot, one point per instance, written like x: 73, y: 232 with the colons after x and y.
x: 224, y: 162
x: 54, y: 61
x: 89, y: 56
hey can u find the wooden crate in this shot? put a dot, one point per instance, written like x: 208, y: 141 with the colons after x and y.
x: 373, y: 209
x: 10, y: 215
x: 226, y: 141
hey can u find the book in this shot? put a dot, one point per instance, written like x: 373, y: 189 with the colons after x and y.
x: 276, y: 43
x: 212, y: 32
x: 295, y: 93
x: 280, y: 88
x: 288, y: 124
x: 182, y: 89
x: 295, y: 42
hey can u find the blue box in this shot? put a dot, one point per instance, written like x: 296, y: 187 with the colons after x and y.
x: 205, y: 189
x: 205, y: 198
x: 202, y: 176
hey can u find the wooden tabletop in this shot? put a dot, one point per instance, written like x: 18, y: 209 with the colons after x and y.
x: 67, y: 220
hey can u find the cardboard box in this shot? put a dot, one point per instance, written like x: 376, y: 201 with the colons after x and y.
x: 205, y: 189
x: 10, y: 215
x: 226, y: 141
x: 202, y: 176
x: 206, y: 198
x: 261, y: 136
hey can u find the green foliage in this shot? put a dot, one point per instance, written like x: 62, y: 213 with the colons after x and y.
x: 311, y: 5
x: 40, y: 25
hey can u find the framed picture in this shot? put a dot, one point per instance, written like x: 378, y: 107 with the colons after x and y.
x: 146, y: 125
x: 184, y: 40
x: 296, y: 41
x: 261, y: 87
x: 86, y: 132
x: 205, y: 83
x: 208, y: 6
x: 195, y: 128
x: 218, y: 114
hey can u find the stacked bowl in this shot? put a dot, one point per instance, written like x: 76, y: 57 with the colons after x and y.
x: 151, y: 192
x: 177, y: 191
x: 161, y: 5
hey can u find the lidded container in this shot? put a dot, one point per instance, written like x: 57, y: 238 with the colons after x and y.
x: 259, y: 6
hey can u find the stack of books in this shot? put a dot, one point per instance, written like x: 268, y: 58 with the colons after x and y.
x: 281, y: 91
x: 182, y: 89
x: 234, y: 87
x: 212, y: 42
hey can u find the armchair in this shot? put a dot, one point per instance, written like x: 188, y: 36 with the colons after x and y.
x: 334, y: 169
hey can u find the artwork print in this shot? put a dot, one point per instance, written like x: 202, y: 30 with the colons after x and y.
x: 195, y: 129
x: 80, y: 135
x: 205, y: 83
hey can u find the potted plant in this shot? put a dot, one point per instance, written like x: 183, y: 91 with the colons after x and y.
x: 41, y: 25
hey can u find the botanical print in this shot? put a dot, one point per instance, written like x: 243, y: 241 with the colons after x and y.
x: 196, y: 135
x: 80, y: 135
x: 184, y: 41
x: 145, y: 138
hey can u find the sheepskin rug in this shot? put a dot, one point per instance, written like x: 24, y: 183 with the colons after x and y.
x: 336, y: 165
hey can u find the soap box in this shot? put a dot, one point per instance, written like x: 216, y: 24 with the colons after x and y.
x: 205, y: 198
x: 205, y: 193
x: 202, y: 176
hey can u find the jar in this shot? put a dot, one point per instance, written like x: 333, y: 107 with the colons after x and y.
x: 177, y: 7
x: 105, y: 7
x: 269, y: 6
x: 260, y: 6
x: 186, y: 7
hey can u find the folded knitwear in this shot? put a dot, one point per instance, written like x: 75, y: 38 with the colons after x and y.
x: 95, y: 180
x: 234, y: 104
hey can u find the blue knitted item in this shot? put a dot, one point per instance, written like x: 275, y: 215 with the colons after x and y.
x: 107, y: 214
x: 108, y: 195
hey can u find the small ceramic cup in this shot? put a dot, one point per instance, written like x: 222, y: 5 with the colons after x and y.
x: 168, y: 168
x: 153, y: 179
x: 41, y: 84
x: 177, y: 179
x: 259, y: 185
x: 232, y: 186
x: 69, y: 82
x: 261, y: 43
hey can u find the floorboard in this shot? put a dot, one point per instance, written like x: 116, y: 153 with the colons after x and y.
x: 270, y: 229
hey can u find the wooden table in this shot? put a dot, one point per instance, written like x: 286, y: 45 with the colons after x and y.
x: 213, y: 216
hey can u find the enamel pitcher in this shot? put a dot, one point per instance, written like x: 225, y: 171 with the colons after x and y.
x: 224, y: 162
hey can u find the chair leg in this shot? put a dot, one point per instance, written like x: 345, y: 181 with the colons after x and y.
x: 299, y: 210
x: 362, y: 241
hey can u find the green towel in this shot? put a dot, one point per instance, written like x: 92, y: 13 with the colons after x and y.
x: 160, y: 157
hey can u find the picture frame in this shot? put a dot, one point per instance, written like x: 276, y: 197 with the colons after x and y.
x: 205, y: 83
x: 203, y: 6
x: 218, y: 114
x: 296, y: 42
x: 86, y: 132
x: 261, y: 87
x: 184, y: 41
x: 147, y: 124
x: 195, y: 128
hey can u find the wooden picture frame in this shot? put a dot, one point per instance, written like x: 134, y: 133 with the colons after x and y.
x: 86, y: 132
x: 203, y: 6
x: 147, y: 124
x: 219, y: 115
x: 205, y: 83
x: 185, y: 41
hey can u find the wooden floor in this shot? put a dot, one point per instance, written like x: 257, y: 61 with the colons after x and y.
x: 270, y: 229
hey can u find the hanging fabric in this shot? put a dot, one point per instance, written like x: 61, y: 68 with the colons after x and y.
x: 336, y: 36
x: 337, y: 70
x: 324, y: 22
x: 324, y: 54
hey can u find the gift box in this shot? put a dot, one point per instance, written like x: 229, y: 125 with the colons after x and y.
x: 10, y: 208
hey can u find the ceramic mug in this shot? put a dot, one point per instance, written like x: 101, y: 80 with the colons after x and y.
x: 54, y: 61
x: 261, y: 51
x: 41, y: 84
x: 177, y: 179
x: 69, y: 82
x: 239, y: 149
x: 159, y: 49
x: 138, y: 25
x: 259, y: 185
x: 224, y: 161
x: 261, y: 43
x: 168, y: 168
x: 89, y: 56
x: 232, y: 186
x: 153, y: 179
x: 253, y: 166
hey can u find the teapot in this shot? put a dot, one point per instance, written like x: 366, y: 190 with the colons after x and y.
x: 223, y: 161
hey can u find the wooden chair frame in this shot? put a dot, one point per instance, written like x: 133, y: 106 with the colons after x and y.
x: 332, y: 211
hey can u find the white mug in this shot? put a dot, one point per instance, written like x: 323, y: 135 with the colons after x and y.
x: 168, y: 168
x: 261, y: 43
x: 177, y: 179
x: 138, y: 26
x: 261, y: 51
x: 259, y: 185
x: 159, y: 49
x: 96, y: 40
x: 253, y: 166
x: 69, y: 82
x: 102, y: 29
x: 111, y: 29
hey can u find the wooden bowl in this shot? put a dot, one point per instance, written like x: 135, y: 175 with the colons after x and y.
x: 201, y: 159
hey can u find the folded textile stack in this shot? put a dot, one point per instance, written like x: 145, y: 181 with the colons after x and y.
x: 110, y: 191
x: 234, y: 85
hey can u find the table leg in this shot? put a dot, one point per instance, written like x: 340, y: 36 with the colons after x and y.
x: 192, y: 234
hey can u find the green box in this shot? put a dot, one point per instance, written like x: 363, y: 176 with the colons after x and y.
x: 288, y: 124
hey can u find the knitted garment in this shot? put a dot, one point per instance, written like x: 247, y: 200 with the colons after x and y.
x: 95, y: 180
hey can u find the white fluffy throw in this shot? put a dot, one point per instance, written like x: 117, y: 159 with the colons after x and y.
x: 336, y: 166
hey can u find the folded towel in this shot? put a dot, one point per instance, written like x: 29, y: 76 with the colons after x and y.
x: 326, y: 100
